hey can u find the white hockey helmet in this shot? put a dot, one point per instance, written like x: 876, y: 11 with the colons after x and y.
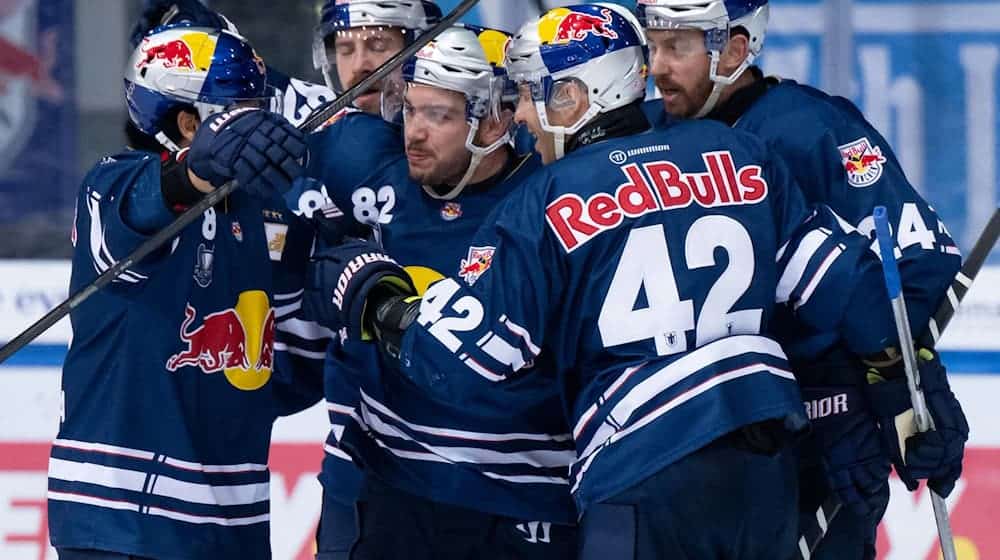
x: 717, y: 18
x: 467, y: 59
x: 599, y: 45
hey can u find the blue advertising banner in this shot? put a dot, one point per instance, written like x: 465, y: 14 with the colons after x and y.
x: 38, y: 126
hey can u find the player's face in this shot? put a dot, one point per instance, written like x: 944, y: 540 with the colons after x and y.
x: 435, y: 131
x: 358, y: 53
x: 527, y: 115
x: 679, y: 63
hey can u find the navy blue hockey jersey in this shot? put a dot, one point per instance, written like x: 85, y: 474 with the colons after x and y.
x: 175, y: 374
x: 839, y: 159
x: 645, y: 270
x: 495, y: 455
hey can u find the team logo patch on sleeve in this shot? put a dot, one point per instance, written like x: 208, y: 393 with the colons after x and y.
x: 476, y: 264
x: 862, y: 162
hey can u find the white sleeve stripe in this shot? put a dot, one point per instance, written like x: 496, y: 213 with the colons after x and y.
x: 282, y: 347
x: 482, y: 370
x: 521, y: 332
x: 102, y: 258
x: 818, y: 277
x: 291, y: 295
x: 304, y: 329
x: 797, y: 264
x: 781, y: 252
x: 371, y: 404
x: 502, y: 351
x: 337, y: 452
x: 284, y: 310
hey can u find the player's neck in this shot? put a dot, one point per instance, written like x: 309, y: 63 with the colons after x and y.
x: 491, y: 165
x: 746, y: 79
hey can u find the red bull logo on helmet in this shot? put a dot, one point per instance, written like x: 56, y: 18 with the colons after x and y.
x: 862, y: 162
x: 476, y: 263
x: 563, y: 25
x: 238, y: 342
x: 186, y: 51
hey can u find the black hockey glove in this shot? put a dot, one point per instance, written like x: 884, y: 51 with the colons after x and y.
x: 856, y: 467
x: 340, y: 281
x: 935, y: 455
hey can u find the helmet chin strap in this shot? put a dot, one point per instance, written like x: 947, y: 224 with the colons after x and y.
x: 719, y: 83
x: 166, y: 142
x: 561, y: 133
x: 478, y: 153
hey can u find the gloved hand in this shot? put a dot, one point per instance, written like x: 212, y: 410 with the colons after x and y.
x: 162, y: 12
x: 340, y: 280
x: 260, y: 149
x: 857, y: 469
x: 935, y: 455
x: 331, y: 224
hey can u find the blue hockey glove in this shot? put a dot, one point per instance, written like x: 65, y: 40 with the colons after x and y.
x: 935, y: 455
x: 162, y: 12
x: 855, y: 464
x: 341, y: 279
x: 260, y: 149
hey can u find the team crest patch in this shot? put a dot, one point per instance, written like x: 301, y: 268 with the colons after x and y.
x: 862, y: 162
x: 451, y: 211
x: 476, y: 264
x: 237, y: 231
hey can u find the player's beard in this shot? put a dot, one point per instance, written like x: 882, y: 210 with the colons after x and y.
x: 447, y: 172
x: 684, y: 101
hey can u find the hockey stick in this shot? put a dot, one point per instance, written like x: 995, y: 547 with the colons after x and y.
x: 211, y: 199
x: 811, y: 536
x: 922, y: 416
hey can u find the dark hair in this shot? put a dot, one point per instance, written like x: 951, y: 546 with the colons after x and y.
x: 139, y: 140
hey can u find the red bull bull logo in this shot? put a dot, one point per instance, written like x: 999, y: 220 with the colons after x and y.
x: 862, y: 162
x: 187, y: 51
x: 563, y: 25
x: 238, y: 341
x: 476, y: 263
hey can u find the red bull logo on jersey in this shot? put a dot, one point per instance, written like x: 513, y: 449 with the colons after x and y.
x: 862, y: 162
x: 188, y: 51
x: 654, y: 187
x: 476, y: 263
x: 563, y: 25
x: 238, y: 342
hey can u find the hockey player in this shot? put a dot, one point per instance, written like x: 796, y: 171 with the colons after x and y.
x: 355, y: 37
x: 644, y: 268
x: 299, y: 99
x: 441, y: 481
x: 702, y: 55
x: 178, y: 369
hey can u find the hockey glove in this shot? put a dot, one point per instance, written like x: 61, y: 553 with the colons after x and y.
x: 331, y: 224
x: 856, y: 467
x: 935, y: 455
x: 260, y: 149
x: 341, y: 279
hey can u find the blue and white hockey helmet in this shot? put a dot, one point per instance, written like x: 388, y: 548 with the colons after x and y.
x: 717, y: 18
x: 469, y: 60
x: 203, y: 68
x: 600, y: 46
x: 412, y: 17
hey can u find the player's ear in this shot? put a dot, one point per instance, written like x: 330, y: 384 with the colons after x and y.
x: 736, y: 51
x: 187, y: 124
x: 492, y: 128
x: 568, y: 103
